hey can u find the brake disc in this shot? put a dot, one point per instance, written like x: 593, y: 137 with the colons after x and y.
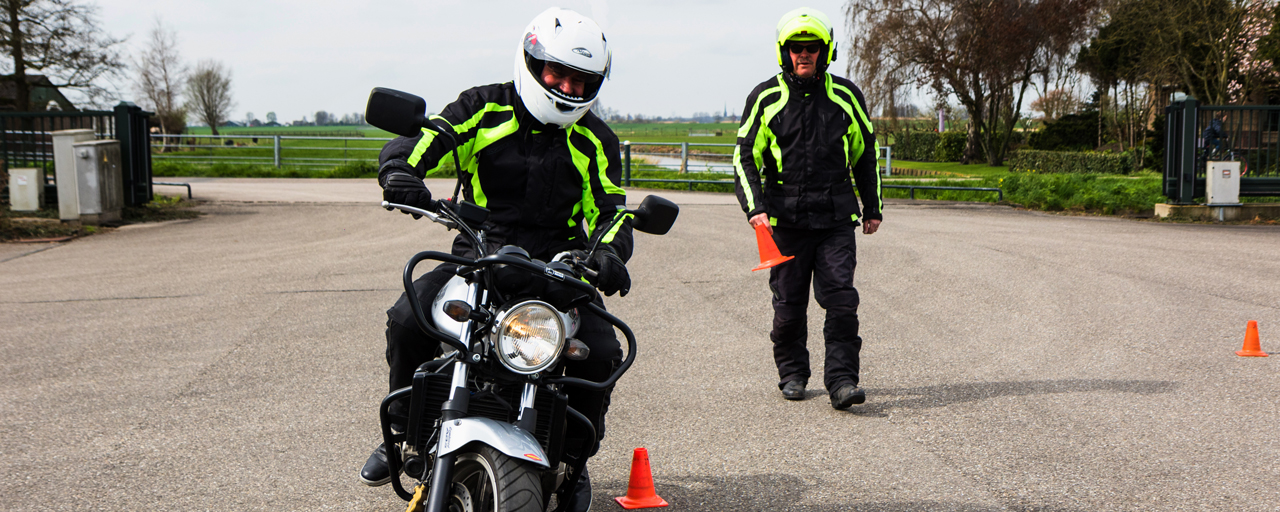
x: 460, y: 501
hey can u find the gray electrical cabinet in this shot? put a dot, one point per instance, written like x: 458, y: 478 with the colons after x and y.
x: 99, y: 181
x: 1222, y: 183
x: 64, y: 167
x: 26, y: 189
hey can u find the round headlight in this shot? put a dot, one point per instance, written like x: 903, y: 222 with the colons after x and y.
x: 528, y: 336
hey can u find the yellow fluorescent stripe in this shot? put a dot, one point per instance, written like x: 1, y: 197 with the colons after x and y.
x: 861, y: 115
x: 769, y: 112
x: 602, y: 162
x: 589, y: 211
x: 423, y: 143
x: 743, y: 131
x: 608, y: 237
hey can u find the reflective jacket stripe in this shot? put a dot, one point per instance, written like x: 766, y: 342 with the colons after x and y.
x: 595, y: 182
x: 853, y: 128
x: 755, y: 131
x: 494, y: 122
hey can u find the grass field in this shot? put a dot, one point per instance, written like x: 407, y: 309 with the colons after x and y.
x: 952, y: 168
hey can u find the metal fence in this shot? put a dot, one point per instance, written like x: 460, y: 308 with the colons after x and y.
x: 702, y: 162
x: 1197, y: 134
x: 295, y: 151
x: 26, y: 140
x: 273, y: 150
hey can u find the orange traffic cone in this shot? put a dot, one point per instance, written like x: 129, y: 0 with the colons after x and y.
x: 1252, y: 347
x: 640, y: 493
x: 769, y: 254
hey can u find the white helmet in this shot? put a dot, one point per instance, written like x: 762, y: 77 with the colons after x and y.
x: 569, y: 39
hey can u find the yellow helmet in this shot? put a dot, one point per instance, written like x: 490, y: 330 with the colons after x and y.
x: 805, y: 24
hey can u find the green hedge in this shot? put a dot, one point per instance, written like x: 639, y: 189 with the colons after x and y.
x: 914, y: 145
x: 950, y: 146
x: 1065, y: 162
x: 1108, y: 194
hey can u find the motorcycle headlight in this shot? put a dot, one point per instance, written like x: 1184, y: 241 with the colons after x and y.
x: 528, y: 336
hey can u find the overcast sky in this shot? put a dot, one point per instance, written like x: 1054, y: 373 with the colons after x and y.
x: 293, y: 57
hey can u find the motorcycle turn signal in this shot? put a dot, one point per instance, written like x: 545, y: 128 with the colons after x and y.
x: 460, y: 311
x: 577, y: 350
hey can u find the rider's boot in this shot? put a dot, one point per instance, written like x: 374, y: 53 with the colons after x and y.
x: 580, y: 499
x: 376, y: 471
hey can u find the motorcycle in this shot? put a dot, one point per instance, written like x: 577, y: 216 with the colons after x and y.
x: 485, y: 427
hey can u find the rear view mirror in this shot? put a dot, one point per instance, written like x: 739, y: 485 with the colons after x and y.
x: 655, y: 215
x: 398, y: 112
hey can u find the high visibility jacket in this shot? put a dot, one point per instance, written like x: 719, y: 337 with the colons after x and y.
x: 798, y: 148
x: 545, y: 187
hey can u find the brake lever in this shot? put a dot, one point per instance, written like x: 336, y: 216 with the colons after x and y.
x: 432, y: 216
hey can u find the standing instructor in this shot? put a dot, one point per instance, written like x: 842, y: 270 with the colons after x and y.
x: 805, y: 141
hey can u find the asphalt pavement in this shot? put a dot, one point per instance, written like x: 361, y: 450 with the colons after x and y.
x: 1013, y: 360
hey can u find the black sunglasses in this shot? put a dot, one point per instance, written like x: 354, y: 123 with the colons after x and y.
x: 798, y: 48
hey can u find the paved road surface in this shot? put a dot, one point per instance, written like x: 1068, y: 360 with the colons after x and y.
x: 1013, y: 361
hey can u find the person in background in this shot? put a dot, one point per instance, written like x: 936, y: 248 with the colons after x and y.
x: 804, y: 143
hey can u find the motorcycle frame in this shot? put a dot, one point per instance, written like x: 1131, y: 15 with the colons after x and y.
x: 455, y: 409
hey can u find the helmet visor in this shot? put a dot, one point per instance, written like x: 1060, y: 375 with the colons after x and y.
x: 564, y: 81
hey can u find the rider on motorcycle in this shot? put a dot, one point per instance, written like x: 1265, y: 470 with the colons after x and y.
x: 547, y: 169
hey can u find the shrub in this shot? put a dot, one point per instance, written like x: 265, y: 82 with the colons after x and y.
x: 1108, y: 194
x: 1075, y: 132
x: 1091, y: 192
x: 917, y: 146
x: 950, y: 146
x: 1065, y: 162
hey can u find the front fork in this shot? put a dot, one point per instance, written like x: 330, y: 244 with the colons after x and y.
x: 455, y: 407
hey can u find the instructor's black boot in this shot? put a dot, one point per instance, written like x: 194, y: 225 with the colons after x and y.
x: 794, y: 389
x: 847, y: 395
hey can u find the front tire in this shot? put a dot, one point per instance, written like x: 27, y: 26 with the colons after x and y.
x: 487, y: 480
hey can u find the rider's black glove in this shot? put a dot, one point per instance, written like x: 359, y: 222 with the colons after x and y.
x: 612, y: 272
x: 403, y: 188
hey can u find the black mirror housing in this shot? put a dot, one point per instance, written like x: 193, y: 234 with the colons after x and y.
x: 655, y: 215
x: 398, y: 112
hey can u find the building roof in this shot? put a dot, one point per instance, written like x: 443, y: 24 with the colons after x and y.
x: 42, y: 93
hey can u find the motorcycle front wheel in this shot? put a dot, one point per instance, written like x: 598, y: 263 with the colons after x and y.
x: 487, y: 480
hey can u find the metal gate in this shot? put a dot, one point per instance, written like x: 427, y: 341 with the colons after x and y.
x: 26, y: 140
x: 1196, y: 134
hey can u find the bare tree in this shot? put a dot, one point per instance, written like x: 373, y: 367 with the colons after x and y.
x: 160, y: 79
x: 985, y: 52
x: 1056, y: 103
x: 209, y: 93
x: 61, y: 40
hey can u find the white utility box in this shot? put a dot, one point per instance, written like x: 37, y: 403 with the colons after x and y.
x: 1222, y: 183
x: 101, y: 184
x: 26, y: 189
x: 64, y: 169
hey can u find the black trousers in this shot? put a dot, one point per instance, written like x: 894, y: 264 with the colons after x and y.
x: 828, y: 257
x: 408, y: 348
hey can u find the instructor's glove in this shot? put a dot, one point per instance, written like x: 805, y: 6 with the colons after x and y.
x: 404, y: 188
x: 612, y: 272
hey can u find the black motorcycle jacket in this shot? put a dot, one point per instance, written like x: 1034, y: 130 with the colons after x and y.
x: 799, y: 145
x: 547, y: 189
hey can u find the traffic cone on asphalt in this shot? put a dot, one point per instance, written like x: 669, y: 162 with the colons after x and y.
x: 1252, y: 347
x: 769, y: 254
x: 640, y: 493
